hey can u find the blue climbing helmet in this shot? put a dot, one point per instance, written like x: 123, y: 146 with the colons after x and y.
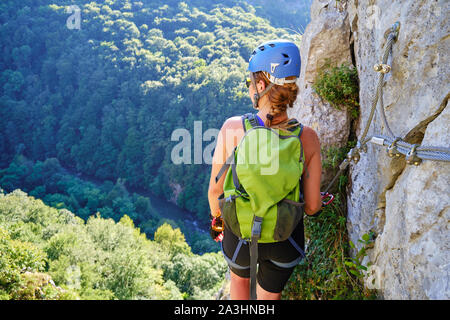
x: 278, y: 59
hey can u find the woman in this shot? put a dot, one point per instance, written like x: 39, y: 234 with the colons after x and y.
x: 274, y: 67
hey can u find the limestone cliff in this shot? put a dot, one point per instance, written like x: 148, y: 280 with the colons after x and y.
x: 407, y: 206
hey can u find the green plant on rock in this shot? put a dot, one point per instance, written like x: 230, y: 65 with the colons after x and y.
x: 329, y: 271
x: 333, y: 157
x: 339, y: 85
x: 355, y: 264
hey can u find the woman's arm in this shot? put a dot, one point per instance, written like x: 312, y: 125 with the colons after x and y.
x: 311, y: 177
x: 227, y: 139
x: 215, y: 189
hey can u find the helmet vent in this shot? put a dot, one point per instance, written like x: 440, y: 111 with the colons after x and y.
x: 261, y: 48
x: 285, y: 55
x: 271, y: 45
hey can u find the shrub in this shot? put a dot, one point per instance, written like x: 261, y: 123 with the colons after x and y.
x: 339, y: 86
x: 329, y: 272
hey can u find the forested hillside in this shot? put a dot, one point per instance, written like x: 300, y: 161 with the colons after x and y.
x: 103, y: 99
x: 292, y: 14
x: 59, y: 188
x: 52, y: 254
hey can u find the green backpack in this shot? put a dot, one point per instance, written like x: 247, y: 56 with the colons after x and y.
x: 262, y: 201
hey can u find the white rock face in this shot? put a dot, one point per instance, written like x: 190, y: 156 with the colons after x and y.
x: 326, y: 37
x: 408, y: 207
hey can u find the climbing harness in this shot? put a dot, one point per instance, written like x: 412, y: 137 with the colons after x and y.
x: 396, y: 146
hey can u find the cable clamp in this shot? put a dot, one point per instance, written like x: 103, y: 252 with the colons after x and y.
x: 360, y: 147
x: 411, y: 156
x: 381, y: 67
x: 353, y: 155
x: 392, y: 149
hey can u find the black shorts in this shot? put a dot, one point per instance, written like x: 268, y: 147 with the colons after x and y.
x: 270, y: 276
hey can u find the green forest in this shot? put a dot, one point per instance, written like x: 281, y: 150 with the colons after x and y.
x: 49, y: 253
x: 103, y: 99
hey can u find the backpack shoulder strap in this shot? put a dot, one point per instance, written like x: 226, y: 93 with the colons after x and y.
x: 301, y: 144
x: 292, y: 121
x: 252, y: 121
x: 298, y: 130
x: 301, y: 130
x: 302, y: 157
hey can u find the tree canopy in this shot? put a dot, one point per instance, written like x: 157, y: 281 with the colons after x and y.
x: 105, y: 98
x: 49, y: 253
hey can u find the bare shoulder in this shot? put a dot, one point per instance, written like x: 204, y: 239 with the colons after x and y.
x: 234, y: 122
x: 310, y: 134
x: 310, y: 140
x: 231, y: 132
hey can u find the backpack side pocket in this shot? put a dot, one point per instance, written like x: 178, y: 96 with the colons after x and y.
x: 289, y: 215
x: 228, y: 211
